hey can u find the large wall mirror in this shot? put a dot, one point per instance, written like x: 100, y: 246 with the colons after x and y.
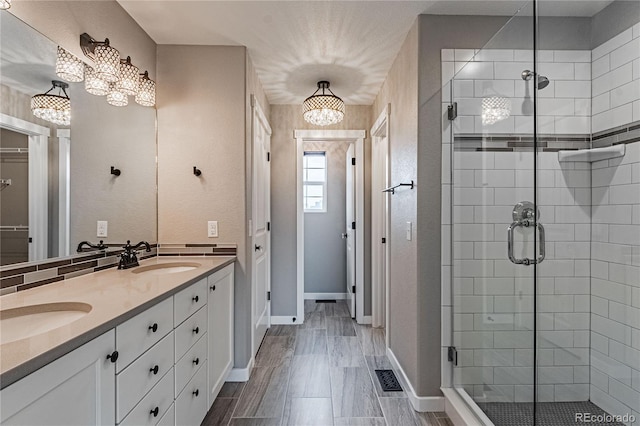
x: 57, y: 181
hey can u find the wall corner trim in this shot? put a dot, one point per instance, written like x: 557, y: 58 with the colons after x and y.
x: 419, y: 403
x: 241, y: 374
x: 367, y: 319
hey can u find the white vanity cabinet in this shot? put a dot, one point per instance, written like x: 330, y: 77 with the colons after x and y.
x: 220, y: 348
x: 76, y: 389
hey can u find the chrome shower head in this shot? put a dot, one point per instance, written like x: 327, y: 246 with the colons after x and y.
x: 542, y: 80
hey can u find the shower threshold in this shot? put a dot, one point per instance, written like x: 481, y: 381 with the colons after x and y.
x: 547, y: 413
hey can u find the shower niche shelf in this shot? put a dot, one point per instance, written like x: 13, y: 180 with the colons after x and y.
x: 590, y: 155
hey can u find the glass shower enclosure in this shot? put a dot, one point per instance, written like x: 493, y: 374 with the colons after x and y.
x: 545, y: 223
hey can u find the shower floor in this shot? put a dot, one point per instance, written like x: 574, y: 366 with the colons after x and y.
x: 547, y: 414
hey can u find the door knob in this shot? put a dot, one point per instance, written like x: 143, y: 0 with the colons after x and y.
x: 344, y: 235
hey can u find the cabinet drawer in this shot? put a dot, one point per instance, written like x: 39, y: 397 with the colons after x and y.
x: 169, y: 418
x: 142, y: 331
x: 190, y: 363
x: 190, y: 331
x: 191, y: 404
x: 138, y: 378
x: 160, y: 397
x: 189, y: 300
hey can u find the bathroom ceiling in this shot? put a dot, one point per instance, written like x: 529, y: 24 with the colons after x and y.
x: 294, y: 44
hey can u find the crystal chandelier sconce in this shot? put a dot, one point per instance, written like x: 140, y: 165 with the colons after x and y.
x: 146, y: 95
x: 5, y: 4
x: 114, y: 77
x: 93, y: 84
x: 116, y: 97
x: 495, y: 109
x: 129, y: 77
x: 53, y: 108
x: 68, y: 67
x: 323, y: 109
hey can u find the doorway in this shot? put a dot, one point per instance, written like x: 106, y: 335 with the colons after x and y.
x: 352, y: 290
x: 380, y: 247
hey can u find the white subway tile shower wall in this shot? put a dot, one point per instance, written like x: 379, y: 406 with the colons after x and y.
x: 615, y: 68
x: 564, y: 105
x: 615, y: 283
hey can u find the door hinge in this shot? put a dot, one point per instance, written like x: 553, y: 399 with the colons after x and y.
x: 353, y: 225
x: 268, y: 226
x: 353, y: 161
x: 384, y: 240
x: 452, y: 111
x: 353, y: 289
x: 30, y: 239
x: 452, y: 355
x: 268, y: 156
x: 268, y: 295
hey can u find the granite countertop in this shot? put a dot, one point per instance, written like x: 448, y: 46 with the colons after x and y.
x: 114, y: 296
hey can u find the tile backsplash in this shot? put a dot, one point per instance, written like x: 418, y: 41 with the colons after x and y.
x: 23, y: 276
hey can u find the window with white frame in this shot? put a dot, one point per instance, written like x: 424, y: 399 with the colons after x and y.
x: 315, y: 182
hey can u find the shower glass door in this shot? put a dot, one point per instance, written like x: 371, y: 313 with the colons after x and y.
x: 496, y: 238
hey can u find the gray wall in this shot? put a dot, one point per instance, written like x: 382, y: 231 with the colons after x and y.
x: 613, y: 19
x: 325, y: 253
x: 284, y: 120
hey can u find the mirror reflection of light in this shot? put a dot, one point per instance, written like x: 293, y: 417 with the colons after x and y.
x: 495, y: 109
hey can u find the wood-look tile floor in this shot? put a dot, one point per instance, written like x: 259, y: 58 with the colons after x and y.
x: 319, y: 373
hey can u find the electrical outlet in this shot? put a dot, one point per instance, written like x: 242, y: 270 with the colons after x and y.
x: 212, y: 229
x: 102, y: 228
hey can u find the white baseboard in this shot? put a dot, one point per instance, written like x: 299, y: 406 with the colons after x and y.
x: 241, y: 374
x: 285, y: 320
x: 320, y: 296
x: 419, y: 403
x: 366, y: 320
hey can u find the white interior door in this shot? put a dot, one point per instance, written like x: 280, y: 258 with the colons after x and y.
x: 379, y: 219
x: 261, y: 217
x: 351, y: 232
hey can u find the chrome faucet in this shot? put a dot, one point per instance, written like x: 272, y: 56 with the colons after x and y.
x: 129, y: 257
x: 99, y: 246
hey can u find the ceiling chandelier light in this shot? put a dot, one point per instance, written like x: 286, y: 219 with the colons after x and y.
x: 495, y: 109
x: 68, y: 67
x: 53, y: 108
x: 116, y: 97
x: 129, y: 77
x: 146, y: 95
x: 5, y: 4
x: 93, y: 84
x: 323, y: 109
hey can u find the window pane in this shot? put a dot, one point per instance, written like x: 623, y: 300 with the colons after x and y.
x: 314, y: 191
x: 315, y: 175
x: 315, y: 161
x: 313, y: 203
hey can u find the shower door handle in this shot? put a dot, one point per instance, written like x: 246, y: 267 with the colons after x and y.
x: 525, y: 223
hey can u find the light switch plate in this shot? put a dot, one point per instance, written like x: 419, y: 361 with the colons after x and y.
x: 409, y: 230
x: 212, y: 228
x: 102, y: 228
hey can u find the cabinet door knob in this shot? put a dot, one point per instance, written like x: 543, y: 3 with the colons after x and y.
x: 154, y: 370
x: 196, y: 392
x: 113, y: 356
x: 196, y: 361
x: 212, y: 288
x: 257, y: 248
x: 154, y: 327
x: 195, y: 299
x: 155, y: 412
x: 196, y: 330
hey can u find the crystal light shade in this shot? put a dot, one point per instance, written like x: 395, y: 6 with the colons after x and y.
x: 107, y: 62
x: 5, y: 4
x: 53, y: 108
x: 129, y: 77
x: 116, y: 97
x: 494, y: 109
x: 323, y: 109
x: 68, y: 67
x: 93, y: 84
x: 146, y: 91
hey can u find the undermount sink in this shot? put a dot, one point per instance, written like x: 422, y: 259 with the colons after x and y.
x: 28, y: 321
x: 166, y: 268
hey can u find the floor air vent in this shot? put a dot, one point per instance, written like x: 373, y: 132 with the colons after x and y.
x: 388, y: 381
x: 326, y: 301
